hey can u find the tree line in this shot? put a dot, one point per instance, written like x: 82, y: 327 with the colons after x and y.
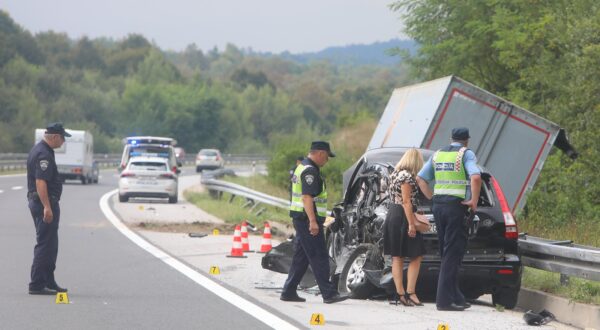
x: 228, y: 99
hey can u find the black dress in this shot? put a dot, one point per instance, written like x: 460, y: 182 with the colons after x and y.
x: 396, y: 241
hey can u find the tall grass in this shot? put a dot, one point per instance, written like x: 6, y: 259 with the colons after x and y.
x: 577, y: 289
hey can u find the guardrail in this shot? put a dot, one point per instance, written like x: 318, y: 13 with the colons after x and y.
x: 238, y: 190
x: 562, y: 257
x: 18, y: 161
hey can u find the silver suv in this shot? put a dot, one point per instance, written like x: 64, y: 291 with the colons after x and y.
x: 209, y: 159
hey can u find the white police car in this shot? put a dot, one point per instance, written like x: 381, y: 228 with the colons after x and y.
x: 150, y: 146
x: 148, y: 177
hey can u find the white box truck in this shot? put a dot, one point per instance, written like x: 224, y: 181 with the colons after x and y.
x: 75, y: 159
x: 508, y: 140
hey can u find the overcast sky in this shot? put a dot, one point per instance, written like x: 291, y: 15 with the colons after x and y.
x: 263, y: 25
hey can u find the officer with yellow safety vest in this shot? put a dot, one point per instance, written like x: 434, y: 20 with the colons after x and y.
x: 308, y: 209
x: 455, y: 195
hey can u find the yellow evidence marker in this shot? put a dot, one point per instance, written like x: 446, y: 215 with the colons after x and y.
x: 317, y: 319
x: 141, y: 207
x: 62, y: 298
x: 214, y: 270
x: 215, y: 232
x: 443, y: 327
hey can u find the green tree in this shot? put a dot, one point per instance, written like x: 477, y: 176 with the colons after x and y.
x: 86, y: 55
x: 543, y: 55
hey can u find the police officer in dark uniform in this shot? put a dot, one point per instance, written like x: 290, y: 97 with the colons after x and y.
x: 308, y: 209
x: 44, y: 188
x: 455, y: 195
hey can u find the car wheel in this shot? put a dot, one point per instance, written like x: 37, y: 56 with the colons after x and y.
x: 84, y: 180
x: 352, y: 279
x: 173, y: 200
x: 123, y: 199
x: 506, y: 297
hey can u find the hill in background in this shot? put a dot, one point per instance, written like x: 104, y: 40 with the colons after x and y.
x: 371, y: 54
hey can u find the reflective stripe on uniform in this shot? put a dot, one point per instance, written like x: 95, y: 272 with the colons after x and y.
x: 316, y: 199
x: 461, y: 182
x: 453, y: 192
x: 296, y: 204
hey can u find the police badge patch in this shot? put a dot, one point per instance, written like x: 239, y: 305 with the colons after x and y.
x: 309, y: 179
x: 43, y: 164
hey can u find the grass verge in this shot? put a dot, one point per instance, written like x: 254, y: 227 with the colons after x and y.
x: 580, y: 233
x: 577, y: 289
x: 235, y: 211
x: 260, y: 183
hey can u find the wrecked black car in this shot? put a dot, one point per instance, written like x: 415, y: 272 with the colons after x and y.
x: 491, y: 265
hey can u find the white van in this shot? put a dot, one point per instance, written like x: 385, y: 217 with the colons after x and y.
x: 150, y: 146
x: 75, y: 158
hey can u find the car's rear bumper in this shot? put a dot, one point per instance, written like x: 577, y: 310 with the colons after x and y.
x: 475, y: 278
x: 141, y: 194
x: 159, y: 188
x: 479, y: 278
x: 70, y: 176
x: 208, y: 166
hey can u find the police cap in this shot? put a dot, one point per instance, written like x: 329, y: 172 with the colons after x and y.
x: 460, y: 134
x: 57, y: 128
x: 322, y: 145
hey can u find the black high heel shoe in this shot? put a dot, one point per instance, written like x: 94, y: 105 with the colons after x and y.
x: 413, y: 302
x: 397, y: 298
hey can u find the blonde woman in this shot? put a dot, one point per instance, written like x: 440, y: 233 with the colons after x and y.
x: 400, y: 237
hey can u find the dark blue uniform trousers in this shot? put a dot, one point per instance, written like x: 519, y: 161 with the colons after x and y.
x: 309, y: 249
x: 452, y: 235
x: 46, y: 248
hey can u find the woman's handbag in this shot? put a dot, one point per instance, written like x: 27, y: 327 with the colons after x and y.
x: 422, y: 224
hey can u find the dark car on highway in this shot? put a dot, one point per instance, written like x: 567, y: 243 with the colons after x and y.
x: 491, y: 265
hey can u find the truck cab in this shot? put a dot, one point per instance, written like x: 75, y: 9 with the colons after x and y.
x: 75, y: 158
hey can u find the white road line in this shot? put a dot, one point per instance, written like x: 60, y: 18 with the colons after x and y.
x: 253, y: 310
x: 1, y: 191
x: 17, y: 188
x: 12, y: 175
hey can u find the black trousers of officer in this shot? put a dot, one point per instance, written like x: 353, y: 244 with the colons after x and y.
x: 452, y: 235
x: 46, y: 247
x: 309, y: 249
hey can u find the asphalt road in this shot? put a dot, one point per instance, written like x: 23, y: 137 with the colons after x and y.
x: 112, y: 282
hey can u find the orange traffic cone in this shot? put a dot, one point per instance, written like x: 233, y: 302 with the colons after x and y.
x: 245, y: 242
x: 236, y: 249
x: 266, y: 241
